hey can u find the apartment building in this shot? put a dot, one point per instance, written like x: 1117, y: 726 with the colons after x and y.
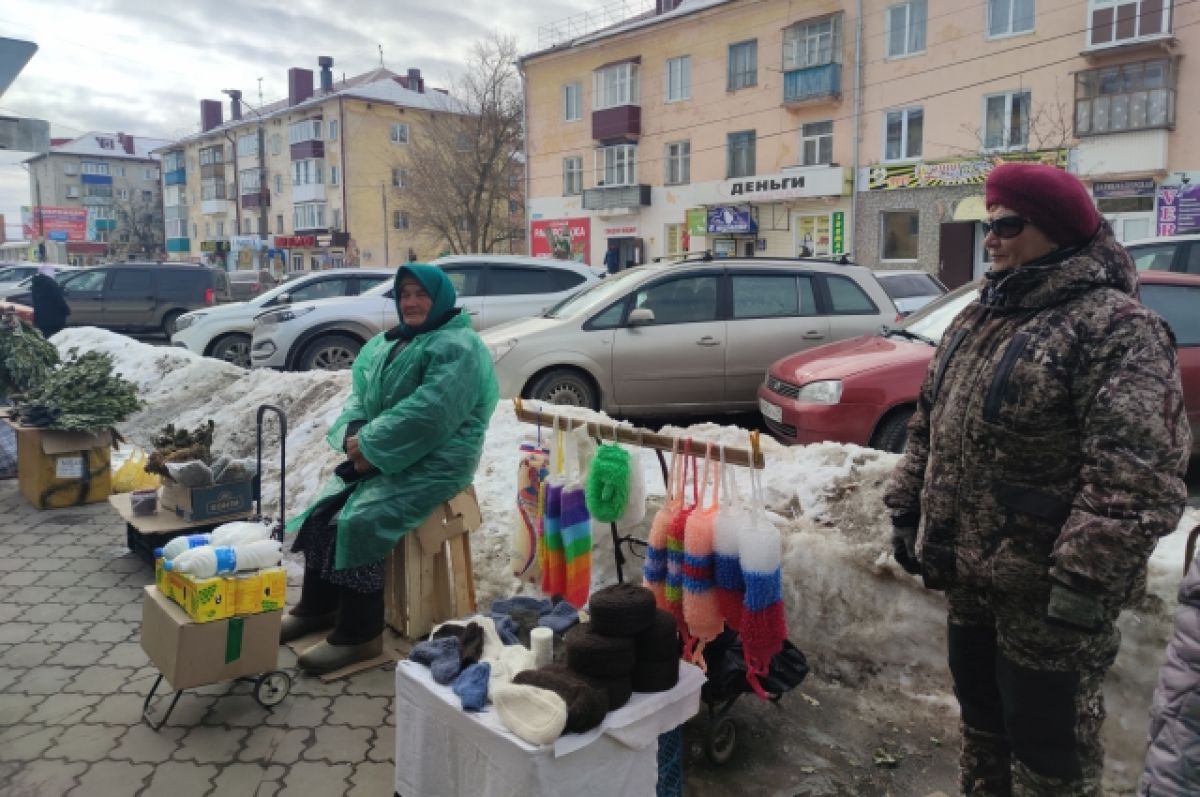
x: 307, y: 182
x: 84, y: 192
x: 773, y: 128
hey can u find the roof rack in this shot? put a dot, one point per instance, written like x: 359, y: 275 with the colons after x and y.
x: 705, y: 256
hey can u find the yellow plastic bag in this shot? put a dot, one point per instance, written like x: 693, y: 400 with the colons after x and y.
x: 132, y: 475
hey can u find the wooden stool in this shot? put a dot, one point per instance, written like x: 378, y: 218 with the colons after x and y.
x: 428, y: 577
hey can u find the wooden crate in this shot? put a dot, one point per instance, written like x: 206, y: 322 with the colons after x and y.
x: 428, y: 576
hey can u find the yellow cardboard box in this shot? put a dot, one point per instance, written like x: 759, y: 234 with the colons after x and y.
x: 219, y: 597
x: 204, y: 599
x: 260, y: 591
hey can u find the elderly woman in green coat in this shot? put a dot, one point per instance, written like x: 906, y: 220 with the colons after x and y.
x: 413, y: 428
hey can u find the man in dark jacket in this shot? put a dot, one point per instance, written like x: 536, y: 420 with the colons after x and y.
x: 1044, y: 461
x: 50, y: 308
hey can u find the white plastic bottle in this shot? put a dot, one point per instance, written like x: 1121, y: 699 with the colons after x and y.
x: 209, y: 560
x: 181, y: 544
x: 240, y: 532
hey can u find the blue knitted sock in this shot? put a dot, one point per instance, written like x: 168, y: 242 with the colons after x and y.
x: 560, y: 618
x: 441, y: 656
x: 507, y: 628
x: 471, y: 686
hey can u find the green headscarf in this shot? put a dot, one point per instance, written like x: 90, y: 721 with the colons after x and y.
x: 440, y: 289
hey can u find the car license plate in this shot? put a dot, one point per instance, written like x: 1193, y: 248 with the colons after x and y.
x: 770, y: 411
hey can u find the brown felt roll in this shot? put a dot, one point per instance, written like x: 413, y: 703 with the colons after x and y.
x: 594, y: 654
x: 619, y: 687
x: 660, y: 641
x: 586, y: 704
x: 621, y: 610
x: 655, y: 676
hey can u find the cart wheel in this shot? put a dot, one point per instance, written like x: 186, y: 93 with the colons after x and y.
x: 722, y: 738
x: 271, y: 688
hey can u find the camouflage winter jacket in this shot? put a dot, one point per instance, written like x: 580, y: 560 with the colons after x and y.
x: 1050, y: 436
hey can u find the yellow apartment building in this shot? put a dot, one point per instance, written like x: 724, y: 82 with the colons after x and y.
x: 309, y: 182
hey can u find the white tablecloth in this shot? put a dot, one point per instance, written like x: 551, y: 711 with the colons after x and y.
x: 443, y: 751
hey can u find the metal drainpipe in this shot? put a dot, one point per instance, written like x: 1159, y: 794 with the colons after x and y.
x: 858, y: 30
x: 525, y: 154
x: 345, y: 176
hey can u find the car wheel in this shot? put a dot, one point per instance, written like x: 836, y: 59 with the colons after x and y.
x: 566, y: 386
x: 168, y: 322
x: 893, y: 432
x: 330, y: 353
x: 233, y: 349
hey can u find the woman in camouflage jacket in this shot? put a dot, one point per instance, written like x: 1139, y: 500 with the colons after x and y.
x: 1044, y: 461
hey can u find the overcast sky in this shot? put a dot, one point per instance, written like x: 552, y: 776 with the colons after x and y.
x: 142, y: 66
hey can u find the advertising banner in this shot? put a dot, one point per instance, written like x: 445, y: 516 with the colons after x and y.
x: 961, y: 171
x: 562, y: 239
x: 697, y: 221
x: 731, y: 220
x: 1178, y: 209
x: 44, y: 220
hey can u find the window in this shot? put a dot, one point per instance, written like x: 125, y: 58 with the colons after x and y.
x: 309, y: 216
x: 1117, y: 21
x: 812, y: 43
x: 467, y: 280
x: 72, y: 192
x: 1006, y: 120
x: 399, y: 134
x: 88, y: 281
x: 679, y: 163
x: 147, y: 196
x: 572, y: 95
x: 212, y: 188
x: 276, y: 144
x: 177, y: 228
x: 617, y: 165
x: 901, y: 234
x: 743, y: 65
x: 279, y: 184
x: 173, y: 161
x: 399, y: 178
x: 304, y: 130
x: 99, y: 190
x: 679, y: 78
x: 572, y: 175
x: 509, y: 281
x: 1154, y: 257
x: 902, y: 134
x: 334, y: 176
x: 221, y: 229
x: 399, y: 220
x: 337, y: 219
x: 739, y: 156
x: 770, y: 296
x: 1177, y: 305
x: 70, y: 168
x: 307, y: 172
x: 94, y: 167
x: 152, y: 173
x: 686, y: 300
x: 1008, y: 17
x: 333, y: 129
x: 846, y: 298
x: 279, y: 224
x: 673, y: 235
x: 212, y: 155
x: 247, y: 145
x: 121, y: 193
x: 1115, y: 99
x: 250, y: 181
x: 118, y: 171
x: 615, y: 85
x: 297, y: 262
x: 105, y: 143
x: 816, y: 143
x: 906, y: 28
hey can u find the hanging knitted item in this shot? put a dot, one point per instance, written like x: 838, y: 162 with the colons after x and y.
x: 635, y: 505
x: 676, y: 529
x: 531, y: 470
x: 764, y: 624
x: 577, y: 545
x: 700, y: 607
x: 727, y: 565
x: 554, y: 564
x: 654, y: 572
x: 608, y: 483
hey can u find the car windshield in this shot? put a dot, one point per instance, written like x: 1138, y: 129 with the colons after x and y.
x: 244, y: 276
x: 12, y: 274
x: 909, y: 286
x: 597, y: 294
x: 930, y: 322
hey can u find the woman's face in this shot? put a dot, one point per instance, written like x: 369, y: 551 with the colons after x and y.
x: 1014, y: 241
x: 415, y: 303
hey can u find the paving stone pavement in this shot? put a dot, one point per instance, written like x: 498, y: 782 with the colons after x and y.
x: 73, y: 676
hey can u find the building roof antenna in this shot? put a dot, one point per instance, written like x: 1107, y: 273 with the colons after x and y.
x: 380, y: 46
x: 260, y: 99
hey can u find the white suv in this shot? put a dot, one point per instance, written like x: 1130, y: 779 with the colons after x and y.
x: 492, y: 289
x: 225, y: 331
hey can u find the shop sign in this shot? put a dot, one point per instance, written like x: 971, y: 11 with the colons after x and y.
x: 1178, y: 209
x: 795, y: 184
x: 735, y: 220
x: 239, y: 242
x: 697, y: 221
x: 295, y: 241
x: 561, y: 239
x: 1123, y: 188
x: 962, y: 171
x: 621, y: 231
x: 214, y: 247
x: 839, y: 233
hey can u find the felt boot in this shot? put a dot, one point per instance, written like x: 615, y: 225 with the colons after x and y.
x: 316, y: 611
x: 357, y: 636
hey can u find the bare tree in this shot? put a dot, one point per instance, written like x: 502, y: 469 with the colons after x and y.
x: 461, y: 174
x: 139, y: 225
x: 1050, y: 126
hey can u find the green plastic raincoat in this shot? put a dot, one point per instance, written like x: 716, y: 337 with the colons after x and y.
x: 426, y: 414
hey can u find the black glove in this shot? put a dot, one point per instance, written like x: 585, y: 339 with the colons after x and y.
x: 904, y: 549
x: 1074, y: 608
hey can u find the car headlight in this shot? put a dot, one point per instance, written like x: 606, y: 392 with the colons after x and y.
x: 186, y: 320
x: 281, y: 316
x: 827, y: 392
x: 500, y: 349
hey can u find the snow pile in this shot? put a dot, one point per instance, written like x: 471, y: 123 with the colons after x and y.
x: 860, y: 619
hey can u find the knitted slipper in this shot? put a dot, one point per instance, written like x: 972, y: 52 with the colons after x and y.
x: 586, y: 705
x: 621, y: 610
x: 440, y: 656
x: 591, y: 653
x: 655, y: 676
x: 471, y: 686
x: 536, y: 715
x: 660, y: 641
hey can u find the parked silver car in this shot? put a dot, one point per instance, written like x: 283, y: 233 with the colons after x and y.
x: 691, y: 337
x: 910, y: 289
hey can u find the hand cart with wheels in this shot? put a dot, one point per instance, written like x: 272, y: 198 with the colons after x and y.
x: 271, y: 685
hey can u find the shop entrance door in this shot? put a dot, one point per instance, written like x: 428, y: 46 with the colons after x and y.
x: 1131, y: 226
x: 630, y: 250
x: 956, y: 253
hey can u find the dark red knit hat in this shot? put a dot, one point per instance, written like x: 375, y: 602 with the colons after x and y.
x: 1055, y: 201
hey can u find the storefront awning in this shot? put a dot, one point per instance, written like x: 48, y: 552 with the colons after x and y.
x: 971, y: 209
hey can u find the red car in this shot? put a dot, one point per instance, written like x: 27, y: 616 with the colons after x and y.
x: 24, y: 312
x: 864, y: 390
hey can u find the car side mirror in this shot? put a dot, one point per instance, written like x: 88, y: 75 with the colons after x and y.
x: 283, y: 298
x: 641, y: 317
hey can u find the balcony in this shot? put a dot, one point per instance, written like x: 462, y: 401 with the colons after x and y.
x: 212, y: 170
x: 308, y: 192
x: 307, y: 149
x: 616, y: 197
x: 175, y: 177
x: 256, y: 199
x: 621, y: 122
x: 96, y: 179
x: 812, y: 85
x: 211, y: 206
x: 179, y: 245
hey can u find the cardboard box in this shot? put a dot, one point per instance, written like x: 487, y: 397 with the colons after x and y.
x: 58, y: 469
x: 261, y: 591
x: 208, y: 599
x: 205, y: 503
x: 204, y: 599
x: 192, y: 654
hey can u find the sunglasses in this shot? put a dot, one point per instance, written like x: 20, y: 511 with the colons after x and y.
x: 1006, y: 226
